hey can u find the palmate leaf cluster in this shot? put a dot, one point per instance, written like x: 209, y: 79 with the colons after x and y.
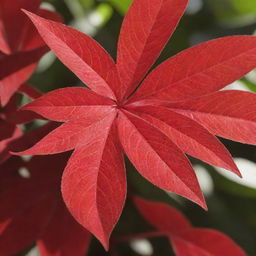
x: 127, y: 125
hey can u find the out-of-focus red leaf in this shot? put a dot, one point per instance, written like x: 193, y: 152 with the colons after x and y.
x: 23, y: 229
x: 84, y: 56
x: 162, y: 216
x: 146, y: 29
x: 20, y: 45
x: 9, y: 174
x: 6, y: 130
x: 23, y: 117
x: 14, y: 22
x: 228, y: 114
x: 157, y: 158
x: 4, y: 47
x: 30, y: 91
x: 189, y: 136
x: 9, y: 134
x: 186, y: 240
x: 15, y: 70
x: 63, y: 236
x: 24, y: 209
x: 9, y: 131
x: 12, y: 137
x: 33, y: 137
x: 202, y: 69
x: 205, y: 242
x: 30, y: 206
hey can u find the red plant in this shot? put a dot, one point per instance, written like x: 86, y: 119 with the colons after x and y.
x: 155, y: 119
x: 10, y: 117
x: 20, y: 45
x: 168, y: 115
x: 186, y: 240
x: 32, y: 209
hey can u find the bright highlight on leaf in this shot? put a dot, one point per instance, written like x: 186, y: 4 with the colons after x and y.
x: 177, y: 110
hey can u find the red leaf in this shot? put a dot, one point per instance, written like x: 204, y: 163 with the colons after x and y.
x: 30, y: 91
x: 157, y: 158
x: 32, y: 39
x: 63, y: 236
x: 205, y: 242
x: 30, y: 222
x: 9, y: 172
x: 9, y: 134
x: 20, y: 43
x: 69, y: 103
x: 146, y: 29
x: 24, y: 208
x: 23, y: 117
x: 228, y: 114
x: 153, y: 139
x: 96, y: 196
x: 189, y: 136
x: 9, y: 131
x: 186, y: 240
x: 4, y: 47
x: 86, y: 129
x: 13, y: 29
x: 31, y: 138
x: 72, y: 134
x: 6, y: 130
x: 15, y: 70
x: 32, y: 209
x: 162, y: 216
x: 84, y: 56
x: 200, y: 70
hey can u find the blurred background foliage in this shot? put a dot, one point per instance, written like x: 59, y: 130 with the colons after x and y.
x: 231, y: 201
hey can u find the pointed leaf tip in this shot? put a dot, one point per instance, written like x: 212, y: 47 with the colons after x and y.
x: 162, y: 216
x: 27, y: 12
x: 94, y: 185
x: 85, y: 57
x: 191, y: 137
x: 145, y: 21
x: 160, y: 167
